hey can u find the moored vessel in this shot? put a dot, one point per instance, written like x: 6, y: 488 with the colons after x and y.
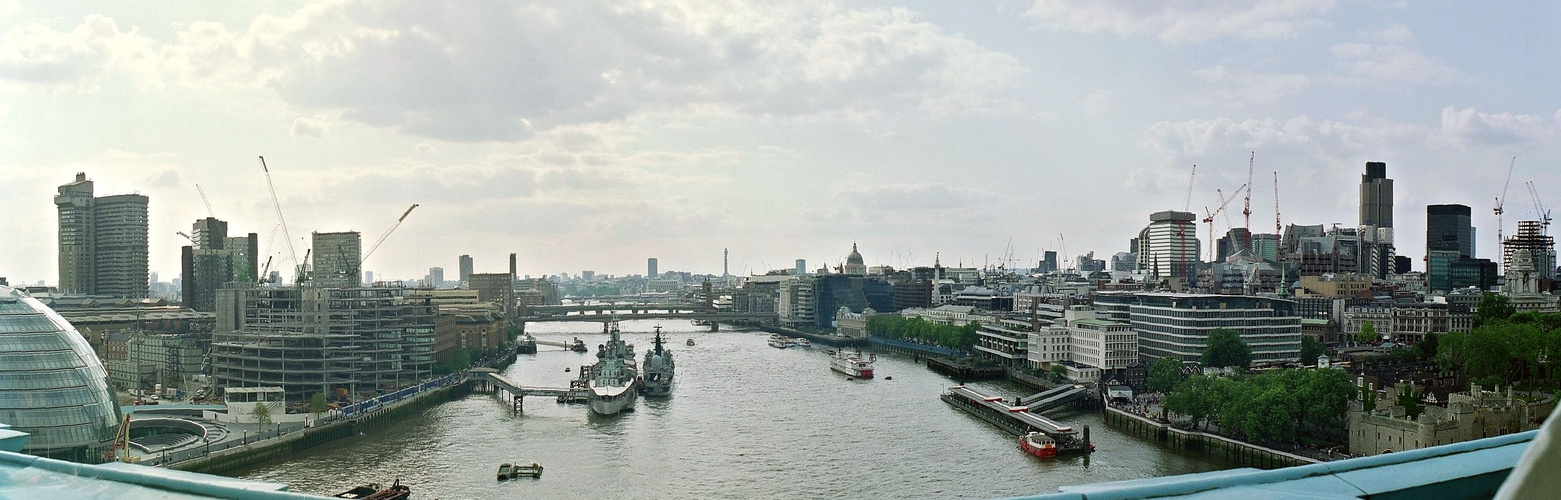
x: 851, y: 362
x: 374, y: 491
x: 526, y: 344
x: 613, y: 378
x: 1038, y: 444
x: 658, y: 369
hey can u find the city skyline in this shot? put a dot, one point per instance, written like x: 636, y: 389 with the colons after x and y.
x: 929, y: 130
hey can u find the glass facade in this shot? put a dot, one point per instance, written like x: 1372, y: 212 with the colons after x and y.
x: 52, y: 385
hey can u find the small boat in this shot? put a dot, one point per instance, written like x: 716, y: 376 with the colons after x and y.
x: 690, y: 341
x: 1038, y: 444
x: 534, y: 470
x: 506, y: 471
x: 373, y: 491
x: 566, y: 369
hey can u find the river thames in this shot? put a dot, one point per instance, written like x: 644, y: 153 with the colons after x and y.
x: 745, y: 421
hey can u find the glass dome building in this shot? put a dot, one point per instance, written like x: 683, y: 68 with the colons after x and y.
x: 52, y: 385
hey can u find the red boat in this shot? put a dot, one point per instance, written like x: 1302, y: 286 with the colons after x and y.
x: 1038, y: 444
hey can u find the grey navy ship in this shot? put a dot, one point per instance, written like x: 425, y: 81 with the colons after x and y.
x: 612, y: 378
x: 658, y: 369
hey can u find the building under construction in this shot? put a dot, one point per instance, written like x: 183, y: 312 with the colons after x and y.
x: 309, y: 339
x: 1531, y: 236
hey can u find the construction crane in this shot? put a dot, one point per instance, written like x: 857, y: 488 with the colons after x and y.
x: 186, y: 236
x: 1210, y: 219
x: 1501, y: 201
x: 1247, y: 209
x: 209, y: 212
x: 277, y: 202
x: 1181, y: 231
x: 1278, y: 229
x: 351, y: 271
x: 1063, y: 242
x: 265, y: 271
x: 1542, y: 213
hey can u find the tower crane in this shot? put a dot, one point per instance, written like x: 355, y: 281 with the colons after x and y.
x: 1247, y: 209
x: 277, y: 202
x: 209, y: 211
x: 1501, y: 201
x: 1181, y: 231
x: 1540, y: 211
x: 1278, y: 229
x: 354, y: 270
x: 1210, y: 219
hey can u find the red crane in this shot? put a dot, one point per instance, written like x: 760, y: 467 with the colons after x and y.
x: 1210, y: 219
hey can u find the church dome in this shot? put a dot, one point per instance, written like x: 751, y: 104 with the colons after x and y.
x: 52, y: 385
x: 854, y: 258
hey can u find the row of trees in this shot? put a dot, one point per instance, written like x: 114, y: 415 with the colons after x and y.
x: 1503, y: 350
x: 458, y: 360
x: 1275, y: 405
x: 896, y: 327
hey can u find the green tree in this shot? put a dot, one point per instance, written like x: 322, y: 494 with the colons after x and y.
x: 1368, y: 333
x: 1225, y: 348
x: 1059, y: 372
x: 1311, y: 348
x: 317, y: 403
x: 1425, y: 349
x: 262, y: 414
x: 1325, y: 397
x: 1410, y: 400
x: 1493, y: 307
x: 1164, y: 374
x: 1368, y: 399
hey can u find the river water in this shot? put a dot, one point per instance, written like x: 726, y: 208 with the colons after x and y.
x: 745, y: 421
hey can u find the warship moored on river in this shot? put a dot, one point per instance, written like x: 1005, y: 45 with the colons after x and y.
x: 613, y: 378
x: 658, y: 369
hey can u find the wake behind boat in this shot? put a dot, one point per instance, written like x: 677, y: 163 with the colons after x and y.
x: 612, y: 378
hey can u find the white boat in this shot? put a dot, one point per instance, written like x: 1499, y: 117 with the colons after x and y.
x: 851, y: 362
x: 613, y: 378
x: 779, y: 342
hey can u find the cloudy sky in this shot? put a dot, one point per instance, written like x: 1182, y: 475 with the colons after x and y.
x: 591, y: 135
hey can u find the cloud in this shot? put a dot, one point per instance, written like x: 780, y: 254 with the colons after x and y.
x: 308, y: 127
x: 1096, y: 103
x: 1182, y: 21
x: 917, y: 197
x: 78, y: 58
x: 475, y: 72
x: 1469, y: 128
x: 1386, y: 57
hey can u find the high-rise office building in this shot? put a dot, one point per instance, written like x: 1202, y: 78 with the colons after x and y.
x: 466, y: 270
x: 102, y: 241
x: 338, y: 258
x: 1449, y: 236
x: 802, y: 267
x: 650, y: 268
x: 1049, y: 262
x: 1376, y: 220
x: 213, y: 261
x: 436, y: 277
x: 1168, y: 247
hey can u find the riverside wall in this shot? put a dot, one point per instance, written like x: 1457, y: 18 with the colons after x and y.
x: 283, y: 447
x: 1243, y: 453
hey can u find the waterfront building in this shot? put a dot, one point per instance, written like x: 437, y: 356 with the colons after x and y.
x: 1464, y: 416
x: 650, y: 268
x: 1103, y: 344
x: 1048, y: 344
x: 830, y: 292
x: 795, y: 304
x: 102, y: 241
x: 309, y: 339
x: 52, y: 385
x: 1178, y: 325
x: 496, y: 288
x: 1168, y: 247
x: 338, y: 258
x: 852, y: 324
x: 910, y: 293
x: 1001, y: 339
x: 1523, y: 286
x: 1376, y: 221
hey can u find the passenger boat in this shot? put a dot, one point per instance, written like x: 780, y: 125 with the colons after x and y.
x: 1038, y: 444
x: 851, y: 363
x: 779, y: 342
x: 373, y: 491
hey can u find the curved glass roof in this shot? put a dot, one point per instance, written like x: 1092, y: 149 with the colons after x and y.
x: 52, y: 385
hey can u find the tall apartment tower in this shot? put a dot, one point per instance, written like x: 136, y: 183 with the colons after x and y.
x: 466, y: 270
x: 1376, y: 220
x: 338, y: 258
x: 102, y: 241
x: 213, y: 260
x: 650, y: 268
x: 1449, y: 236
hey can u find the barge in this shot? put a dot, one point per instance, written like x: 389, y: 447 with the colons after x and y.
x: 1064, y: 440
